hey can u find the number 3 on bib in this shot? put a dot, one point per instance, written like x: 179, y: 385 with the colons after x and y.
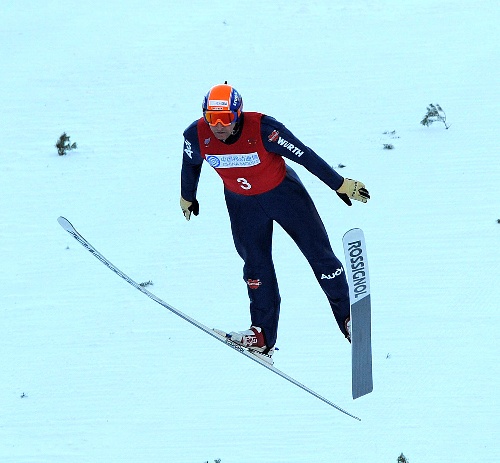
x: 244, y: 183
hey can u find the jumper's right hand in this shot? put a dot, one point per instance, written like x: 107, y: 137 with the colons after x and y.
x: 189, y: 207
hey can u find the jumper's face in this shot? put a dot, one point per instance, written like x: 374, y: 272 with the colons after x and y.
x: 221, y: 132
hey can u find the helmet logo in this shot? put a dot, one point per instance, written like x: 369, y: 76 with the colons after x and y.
x: 218, y: 104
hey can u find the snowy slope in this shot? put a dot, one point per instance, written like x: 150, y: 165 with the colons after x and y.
x: 92, y: 371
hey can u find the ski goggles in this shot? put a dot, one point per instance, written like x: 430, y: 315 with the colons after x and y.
x: 226, y: 118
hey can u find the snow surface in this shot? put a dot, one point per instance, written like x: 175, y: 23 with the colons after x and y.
x: 93, y: 371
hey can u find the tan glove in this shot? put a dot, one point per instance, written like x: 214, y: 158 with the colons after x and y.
x: 189, y: 207
x: 353, y: 189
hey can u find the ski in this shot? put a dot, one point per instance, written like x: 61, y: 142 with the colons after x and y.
x: 359, y: 292
x: 220, y: 336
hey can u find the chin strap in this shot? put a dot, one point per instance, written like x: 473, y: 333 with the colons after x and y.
x: 236, y: 128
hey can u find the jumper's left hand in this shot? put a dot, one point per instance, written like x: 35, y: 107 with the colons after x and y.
x: 353, y: 189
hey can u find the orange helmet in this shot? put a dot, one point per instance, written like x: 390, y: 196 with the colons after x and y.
x: 222, y: 104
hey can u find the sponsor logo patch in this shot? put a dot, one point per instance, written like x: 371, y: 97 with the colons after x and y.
x: 254, y: 284
x: 188, y: 149
x: 273, y: 136
x: 290, y: 147
x: 332, y: 275
x: 227, y: 161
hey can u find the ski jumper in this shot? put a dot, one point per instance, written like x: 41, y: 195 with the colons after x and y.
x: 261, y: 189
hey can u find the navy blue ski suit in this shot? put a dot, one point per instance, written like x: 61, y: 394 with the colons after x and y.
x: 256, y: 199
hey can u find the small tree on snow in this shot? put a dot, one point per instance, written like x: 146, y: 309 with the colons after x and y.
x: 434, y: 113
x: 64, y: 145
x: 403, y: 459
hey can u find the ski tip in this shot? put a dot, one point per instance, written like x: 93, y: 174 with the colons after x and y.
x: 65, y: 223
